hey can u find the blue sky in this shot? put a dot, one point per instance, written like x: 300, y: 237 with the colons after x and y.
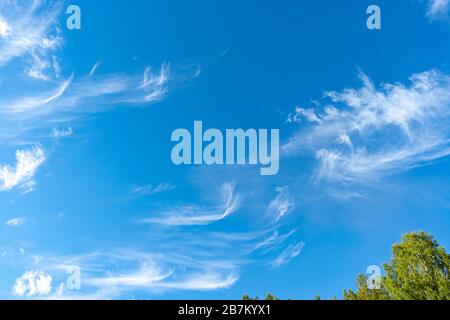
x: 86, y: 117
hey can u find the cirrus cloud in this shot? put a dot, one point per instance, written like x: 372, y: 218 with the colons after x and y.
x: 29, y: 31
x: 438, y: 8
x: 27, y: 163
x: 363, y: 134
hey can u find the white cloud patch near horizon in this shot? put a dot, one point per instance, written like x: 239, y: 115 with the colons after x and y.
x: 122, y: 272
x: 364, y: 134
x: 32, y: 283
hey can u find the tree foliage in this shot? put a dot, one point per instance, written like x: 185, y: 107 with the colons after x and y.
x: 268, y: 297
x: 419, y: 270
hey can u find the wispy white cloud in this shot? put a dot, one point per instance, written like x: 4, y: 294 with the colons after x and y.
x: 40, y: 102
x: 33, y: 283
x: 5, y: 29
x: 147, y: 190
x: 94, y: 68
x: 282, y: 204
x: 30, y: 39
x: 273, y: 240
x: 29, y: 31
x: 148, y: 274
x: 16, y: 222
x: 177, y: 261
x: 189, y: 215
x: 290, y: 252
x: 72, y: 95
x: 151, y: 278
x: 71, y: 99
x: 27, y: 163
x: 62, y: 133
x: 438, y: 8
x: 367, y: 133
x: 121, y: 272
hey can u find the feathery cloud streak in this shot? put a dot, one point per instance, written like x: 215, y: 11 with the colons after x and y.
x: 29, y: 31
x: 189, y: 215
x: 27, y: 163
x: 364, y: 134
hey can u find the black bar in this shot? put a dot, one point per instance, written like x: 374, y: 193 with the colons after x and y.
x: 224, y: 309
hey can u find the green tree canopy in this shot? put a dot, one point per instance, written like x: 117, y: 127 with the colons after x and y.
x: 268, y: 297
x: 418, y: 270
